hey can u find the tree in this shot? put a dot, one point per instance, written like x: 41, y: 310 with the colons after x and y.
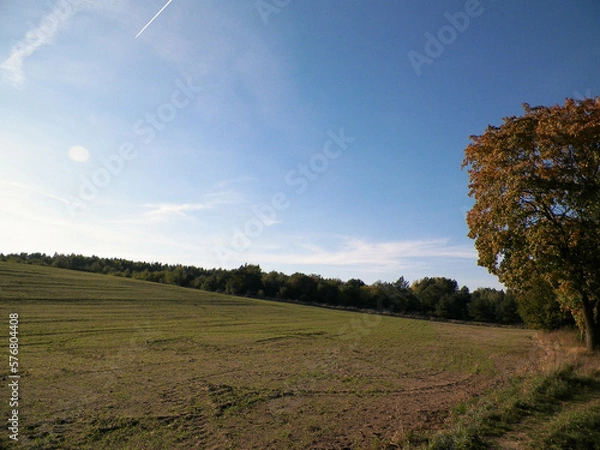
x: 454, y: 306
x: 482, y: 306
x: 406, y: 301
x: 536, y: 184
x: 177, y: 275
x: 395, y: 297
x: 430, y: 290
x: 507, y: 310
x: 328, y: 291
x: 302, y: 287
x: 492, y: 305
x: 539, y: 307
x: 350, y: 292
x: 246, y: 280
x: 272, y: 282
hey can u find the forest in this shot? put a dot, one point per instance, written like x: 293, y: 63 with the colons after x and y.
x: 431, y: 297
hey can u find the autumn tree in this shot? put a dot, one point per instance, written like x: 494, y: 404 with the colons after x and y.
x: 535, y: 181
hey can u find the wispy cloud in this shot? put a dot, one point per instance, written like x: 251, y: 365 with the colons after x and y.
x: 362, y: 253
x: 225, y: 183
x: 164, y: 211
x: 18, y: 190
x: 37, y: 37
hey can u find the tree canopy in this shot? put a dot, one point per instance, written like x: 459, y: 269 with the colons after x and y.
x: 435, y: 297
x: 536, y: 184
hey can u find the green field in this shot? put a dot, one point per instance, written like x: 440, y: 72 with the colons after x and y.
x: 113, y: 363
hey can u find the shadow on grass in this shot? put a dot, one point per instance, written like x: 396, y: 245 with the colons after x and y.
x: 558, y: 408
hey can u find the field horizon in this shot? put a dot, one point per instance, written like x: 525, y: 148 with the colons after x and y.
x: 109, y: 362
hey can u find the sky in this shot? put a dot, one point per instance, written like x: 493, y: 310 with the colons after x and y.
x: 314, y: 136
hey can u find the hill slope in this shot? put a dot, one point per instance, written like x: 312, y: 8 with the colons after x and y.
x: 116, y: 363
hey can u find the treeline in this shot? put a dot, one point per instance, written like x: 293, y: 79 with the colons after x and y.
x: 436, y: 297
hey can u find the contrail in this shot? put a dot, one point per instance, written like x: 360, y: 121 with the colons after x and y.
x: 152, y: 20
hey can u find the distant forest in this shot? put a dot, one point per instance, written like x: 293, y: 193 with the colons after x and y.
x: 435, y: 297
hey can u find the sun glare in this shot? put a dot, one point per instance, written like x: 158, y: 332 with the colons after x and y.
x: 79, y: 153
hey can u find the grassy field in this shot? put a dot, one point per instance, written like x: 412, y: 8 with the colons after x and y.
x: 556, y: 406
x: 112, y: 363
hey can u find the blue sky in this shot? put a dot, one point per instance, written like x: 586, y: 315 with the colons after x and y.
x: 319, y: 136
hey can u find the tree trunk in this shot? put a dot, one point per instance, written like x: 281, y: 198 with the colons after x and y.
x: 592, y: 325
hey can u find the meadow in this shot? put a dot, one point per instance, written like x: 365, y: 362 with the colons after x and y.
x: 115, y: 363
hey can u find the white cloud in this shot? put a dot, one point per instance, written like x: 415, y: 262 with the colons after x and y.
x: 343, y: 254
x: 16, y: 193
x: 368, y: 259
x: 225, y: 183
x: 30, y: 222
x: 33, y: 219
x: 377, y: 255
x: 35, y: 38
x: 45, y: 33
x: 165, y: 211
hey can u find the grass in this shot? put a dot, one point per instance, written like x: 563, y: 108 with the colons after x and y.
x: 577, y: 430
x: 109, y: 363
x: 555, y: 407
